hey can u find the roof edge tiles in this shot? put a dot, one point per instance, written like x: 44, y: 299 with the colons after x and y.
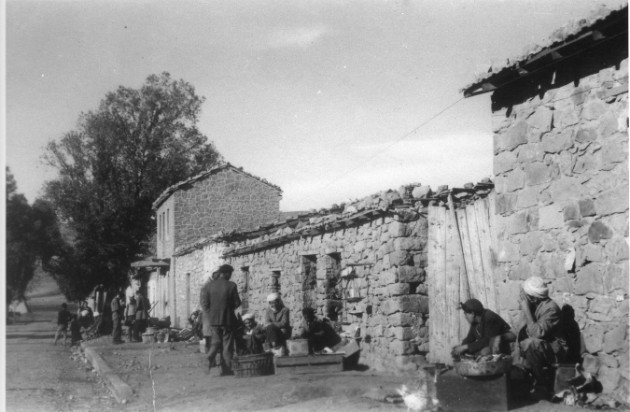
x: 390, y: 202
x: 583, y: 33
x: 172, y: 189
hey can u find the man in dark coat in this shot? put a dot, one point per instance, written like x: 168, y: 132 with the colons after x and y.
x: 320, y: 334
x: 488, y: 333
x: 118, y: 310
x: 219, y: 298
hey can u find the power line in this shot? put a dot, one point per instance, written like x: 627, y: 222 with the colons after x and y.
x: 398, y: 140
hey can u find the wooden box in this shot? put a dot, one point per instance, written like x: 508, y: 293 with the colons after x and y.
x: 478, y: 394
x: 309, y: 363
x: 297, y: 347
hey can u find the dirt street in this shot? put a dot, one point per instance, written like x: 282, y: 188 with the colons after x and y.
x: 172, y: 377
x: 43, y: 377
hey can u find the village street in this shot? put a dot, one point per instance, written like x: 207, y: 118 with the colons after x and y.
x: 43, y: 377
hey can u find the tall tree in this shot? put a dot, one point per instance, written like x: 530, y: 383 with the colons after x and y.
x: 112, y: 168
x: 32, y: 238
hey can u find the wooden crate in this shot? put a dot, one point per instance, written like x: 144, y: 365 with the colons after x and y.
x: 309, y: 363
x: 480, y: 394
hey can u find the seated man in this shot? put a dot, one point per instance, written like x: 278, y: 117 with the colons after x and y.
x: 253, y: 336
x: 541, y: 341
x: 488, y: 333
x: 320, y: 334
x: 277, y: 321
x: 85, y: 315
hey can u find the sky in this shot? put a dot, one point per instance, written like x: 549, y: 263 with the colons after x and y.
x: 331, y: 100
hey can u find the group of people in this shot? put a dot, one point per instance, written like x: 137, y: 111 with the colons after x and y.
x: 224, y: 332
x: 134, y: 315
x: 540, y: 343
x: 73, y: 323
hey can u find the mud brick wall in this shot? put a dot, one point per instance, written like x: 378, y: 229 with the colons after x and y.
x: 392, y: 314
x: 561, y: 176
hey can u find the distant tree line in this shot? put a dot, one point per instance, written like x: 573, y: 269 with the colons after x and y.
x: 32, y: 239
x: 111, y: 168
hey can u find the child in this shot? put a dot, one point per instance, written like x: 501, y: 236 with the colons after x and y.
x: 63, y: 318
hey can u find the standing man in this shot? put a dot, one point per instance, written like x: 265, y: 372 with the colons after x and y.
x: 142, y: 316
x: 541, y: 340
x: 118, y: 309
x: 219, y: 298
x: 63, y: 319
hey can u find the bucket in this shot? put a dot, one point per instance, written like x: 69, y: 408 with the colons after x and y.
x: 148, y: 338
x: 202, y: 346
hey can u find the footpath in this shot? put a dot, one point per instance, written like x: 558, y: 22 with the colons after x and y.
x: 174, y: 377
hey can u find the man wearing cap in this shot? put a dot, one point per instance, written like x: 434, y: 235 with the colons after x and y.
x: 277, y: 321
x: 488, y: 333
x: 541, y: 340
x: 219, y: 298
x: 320, y: 334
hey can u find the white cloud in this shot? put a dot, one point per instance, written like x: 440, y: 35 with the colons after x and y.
x: 294, y: 37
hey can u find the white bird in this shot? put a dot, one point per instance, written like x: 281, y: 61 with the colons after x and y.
x: 417, y: 401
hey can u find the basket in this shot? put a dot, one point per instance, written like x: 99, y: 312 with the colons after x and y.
x: 253, y: 365
x: 491, y: 367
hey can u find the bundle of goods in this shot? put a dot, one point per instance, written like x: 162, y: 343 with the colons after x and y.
x: 490, y: 365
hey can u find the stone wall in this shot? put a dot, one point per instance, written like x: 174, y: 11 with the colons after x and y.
x: 386, y: 305
x: 225, y: 200
x: 561, y: 176
x: 190, y: 272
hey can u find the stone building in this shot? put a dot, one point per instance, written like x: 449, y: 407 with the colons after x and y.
x: 362, y: 265
x: 560, y: 119
x: 224, y: 198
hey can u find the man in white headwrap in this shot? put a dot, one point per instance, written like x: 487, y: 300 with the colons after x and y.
x: 253, y: 336
x: 278, y: 322
x: 541, y: 340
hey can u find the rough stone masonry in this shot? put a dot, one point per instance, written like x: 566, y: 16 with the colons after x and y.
x: 561, y: 166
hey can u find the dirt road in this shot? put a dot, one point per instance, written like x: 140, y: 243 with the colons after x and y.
x: 43, y: 377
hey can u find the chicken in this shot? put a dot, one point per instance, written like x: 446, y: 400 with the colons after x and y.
x: 424, y: 398
x: 418, y: 401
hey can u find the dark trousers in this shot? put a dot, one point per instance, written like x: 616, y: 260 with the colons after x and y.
x: 222, y: 340
x: 139, y: 326
x: 117, y: 329
x: 277, y: 337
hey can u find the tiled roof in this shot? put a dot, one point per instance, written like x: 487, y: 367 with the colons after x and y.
x: 575, y: 34
x: 172, y: 189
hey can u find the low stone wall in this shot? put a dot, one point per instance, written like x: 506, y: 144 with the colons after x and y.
x: 386, y: 304
x: 561, y: 169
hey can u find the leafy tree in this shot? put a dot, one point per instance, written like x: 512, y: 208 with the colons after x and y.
x: 111, y: 169
x: 32, y: 238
